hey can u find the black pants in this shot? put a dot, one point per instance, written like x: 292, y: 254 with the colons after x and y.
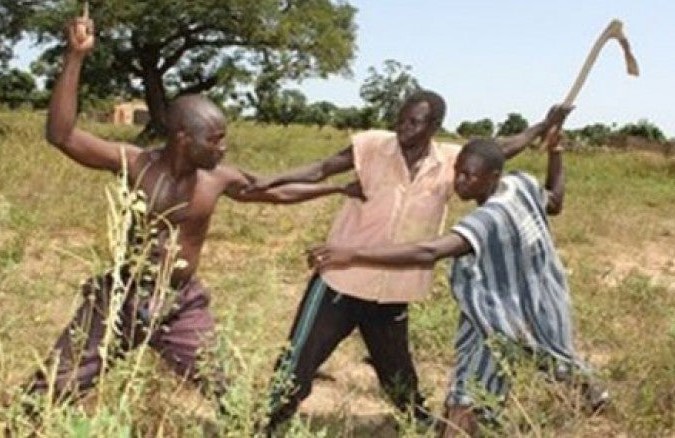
x: 326, y: 317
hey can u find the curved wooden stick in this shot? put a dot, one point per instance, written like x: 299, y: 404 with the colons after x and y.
x: 614, y: 30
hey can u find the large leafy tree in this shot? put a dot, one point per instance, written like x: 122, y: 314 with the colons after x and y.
x: 169, y: 47
x: 386, y: 90
x: 12, y: 16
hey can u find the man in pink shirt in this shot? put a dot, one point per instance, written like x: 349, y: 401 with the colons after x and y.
x: 407, y: 180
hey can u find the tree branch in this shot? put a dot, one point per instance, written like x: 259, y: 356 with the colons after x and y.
x: 191, y: 43
x: 203, y: 84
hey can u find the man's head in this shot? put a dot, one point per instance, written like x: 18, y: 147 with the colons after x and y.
x: 478, y: 169
x: 419, y: 118
x: 198, y: 125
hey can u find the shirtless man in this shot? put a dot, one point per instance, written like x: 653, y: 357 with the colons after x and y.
x: 185, y: 176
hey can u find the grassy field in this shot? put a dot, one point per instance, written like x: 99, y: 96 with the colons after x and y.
x: 616, y: 236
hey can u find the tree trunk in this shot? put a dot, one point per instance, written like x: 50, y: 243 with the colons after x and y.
x: 155, y: 96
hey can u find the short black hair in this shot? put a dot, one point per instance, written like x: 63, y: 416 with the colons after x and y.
x: 487, y: 150
x: 435, y: 101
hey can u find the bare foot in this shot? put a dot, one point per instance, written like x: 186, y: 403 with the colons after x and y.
x: 459, y: 421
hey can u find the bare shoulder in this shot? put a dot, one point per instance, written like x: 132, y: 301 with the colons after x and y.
x: 136, y: 158
x: 132, y: 153
x: 227, y: 178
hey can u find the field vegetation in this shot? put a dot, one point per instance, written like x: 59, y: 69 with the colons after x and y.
x: 616, y: 236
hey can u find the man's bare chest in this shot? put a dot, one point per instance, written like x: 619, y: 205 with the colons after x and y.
x: 180, y: 202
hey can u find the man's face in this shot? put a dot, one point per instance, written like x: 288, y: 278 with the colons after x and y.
x: 208, y: 146
x: 414, y: 124
x: 473, y: 180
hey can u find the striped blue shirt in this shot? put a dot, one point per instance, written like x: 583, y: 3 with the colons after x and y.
x: 513, y: 283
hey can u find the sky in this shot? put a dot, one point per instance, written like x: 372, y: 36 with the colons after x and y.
x: 490, y: 58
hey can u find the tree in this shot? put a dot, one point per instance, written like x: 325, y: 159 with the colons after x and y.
x: 644, y: 129
x: 355, y: 118
x: 318, y: 113
x: 16, y: 87
x: 387, y: 90
x: 596, y: 134
x: 171, y: 47
x: 514, y: 124
x: 480, y: 128
x: 12, y: 16
x: 290, y: 106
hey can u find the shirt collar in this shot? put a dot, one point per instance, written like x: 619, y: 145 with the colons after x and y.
x: 435, y: 154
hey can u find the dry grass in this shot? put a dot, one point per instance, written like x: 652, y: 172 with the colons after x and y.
x: 616, y: 236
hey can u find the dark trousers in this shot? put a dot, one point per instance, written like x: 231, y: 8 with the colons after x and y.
x: 326, y: 317
x: 182, y: 338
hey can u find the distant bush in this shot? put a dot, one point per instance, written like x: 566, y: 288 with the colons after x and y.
x: 599, y: 134
x: 480, y: 128
x: 644, y: 129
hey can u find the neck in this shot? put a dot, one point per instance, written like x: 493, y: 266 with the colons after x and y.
x: 177, y: 163
x: 482, y: 199
x: 417, y: 151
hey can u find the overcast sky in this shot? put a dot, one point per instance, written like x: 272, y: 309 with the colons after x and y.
x: 489, y: 58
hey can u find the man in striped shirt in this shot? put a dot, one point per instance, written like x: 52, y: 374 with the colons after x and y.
x: 507, y: 278
x: 406, y: 178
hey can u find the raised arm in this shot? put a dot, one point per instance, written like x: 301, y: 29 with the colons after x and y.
x: 555, y: 174
x: 515, y: 144
x: 82, y: 147
x: 405, y: 254
x: 310, y: 173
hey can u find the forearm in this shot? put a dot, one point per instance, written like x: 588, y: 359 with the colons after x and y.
x: 405, y: 254
x: 421, y: 254
x: 414, y: 254
x: 555, y: 181
x: 298, y: 192
x: 515, y: 144
x: 62, y: 112
x: 311, y: 173
x: 314, y: 172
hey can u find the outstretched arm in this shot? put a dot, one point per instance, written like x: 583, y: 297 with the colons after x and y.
x: 237, y: 186
x: 310, y: 173
x: 82, y: 147
x: 515, y: 144
x: 555, y: 174
x: 405, y: 254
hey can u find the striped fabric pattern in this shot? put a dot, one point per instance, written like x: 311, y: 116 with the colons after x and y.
x: 512, y: 286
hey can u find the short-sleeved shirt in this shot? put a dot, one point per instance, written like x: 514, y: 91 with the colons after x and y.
x: 514, y: 283
x: 397, y: 210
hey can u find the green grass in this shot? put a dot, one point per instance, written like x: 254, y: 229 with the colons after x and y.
x: 616, y: 236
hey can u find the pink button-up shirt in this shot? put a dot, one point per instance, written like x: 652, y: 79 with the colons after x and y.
x: 398, y: 210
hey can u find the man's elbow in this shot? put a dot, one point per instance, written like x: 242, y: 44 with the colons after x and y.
x: 55, y: 137
x: 554, y: 208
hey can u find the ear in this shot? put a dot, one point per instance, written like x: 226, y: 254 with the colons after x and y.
x: 495, y: 175
x: 182, y: 136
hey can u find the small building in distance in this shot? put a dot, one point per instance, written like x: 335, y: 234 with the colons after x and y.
x: 131, y: 113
